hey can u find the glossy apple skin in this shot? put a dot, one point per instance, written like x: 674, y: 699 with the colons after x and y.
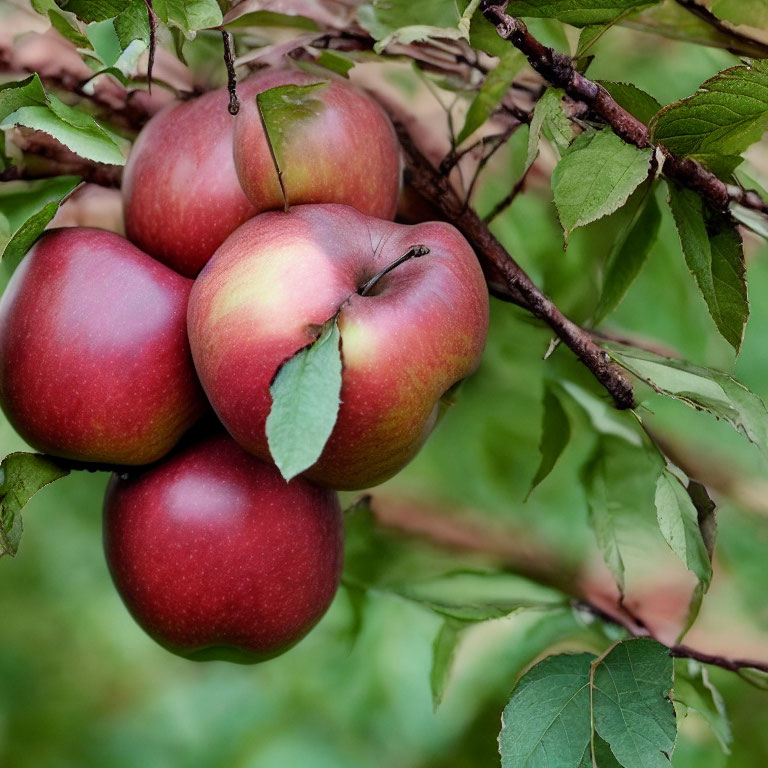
x: 280, y: 276
x: 346, y: 151
x: 181, y: 196
x: 181, y: 193
x: 217, y: 557
x: 94, y: 359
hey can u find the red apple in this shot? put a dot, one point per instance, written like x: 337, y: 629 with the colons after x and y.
x: 94, y: 358
x: 217, y: 557
x: 181, y: 195
x: 280, y: 276
x: 338, y: 147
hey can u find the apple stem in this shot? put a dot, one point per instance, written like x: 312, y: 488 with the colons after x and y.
x: 413, y: 253
x: 229, y: 61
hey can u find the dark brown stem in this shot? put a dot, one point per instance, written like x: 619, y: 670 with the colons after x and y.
x: 413, y: 253
x: 558, y: 70
x: 229, y: 62
x: 152, y: 18
x: 630, y: 624
x: 733, y: 665
x: 755, y: 47
x: 506, y: 279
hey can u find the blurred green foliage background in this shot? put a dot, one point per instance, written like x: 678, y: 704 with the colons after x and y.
x: 81, y: 685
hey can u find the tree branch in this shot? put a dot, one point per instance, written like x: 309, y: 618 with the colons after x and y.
x: 724, y: 28
x: 558, y: 70
x: 532, y: 561
x: 506, y: 279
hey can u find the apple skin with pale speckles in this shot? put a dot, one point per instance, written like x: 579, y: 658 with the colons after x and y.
x: 95, y: 363
x: 217, y: 557
x: 181, y: 194
x: 337, y: 147
x: 278, y: 278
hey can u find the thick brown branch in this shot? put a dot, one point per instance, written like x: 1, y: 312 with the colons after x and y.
x: 506, y: 279
x: 558, y: 70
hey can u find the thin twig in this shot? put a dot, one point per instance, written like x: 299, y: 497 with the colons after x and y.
x: 509, y: 198
x: 677, y: 651
x: 152, y: 18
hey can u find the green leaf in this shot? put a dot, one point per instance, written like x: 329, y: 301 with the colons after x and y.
x: 548, y: 116
x: 549, y: 718
x: 431, y: 578
x: 713, y: 252
x: 105, y: 42
x: 679, y: 524
x: 588, y: 37
x: 706, y: 519
x: 750, y: 12
x: 272, y: 19
x: 579, y: 13
x: 28, y: 207
x: 189, y: 15
x: 635, y: 100
x: 443, y: 654
x: 605, y: 419
x: 555, y: 434
x: 723, y: 166
x: 753, y: 220
x: 755, y: 677
x: 20, y: 94
x: 305, y: 403
x: 64, y: 23
x: 283, y: 108
x: 592, y: 33
x: 26, y: 103
x: 22, y: 475
x: 79, y: 132
x: 596, y: 176
x: 619, y: 481
x: 496, y: 84
x: 632, y: 709
x: 94, y: 10
x: 133, y: 24
x: 727, y: 114
x: 705, y: 514
x: 701, y: 388
x: 335, y: 62
x: 404, y: 21
x: 484, y: 37
x: 603, y: 502
x: 546, y: 722
x: 694, y: 689
x: 630, y: 251
x: 675, y: 22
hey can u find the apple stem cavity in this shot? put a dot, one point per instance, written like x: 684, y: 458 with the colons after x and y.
x: 413, y: 253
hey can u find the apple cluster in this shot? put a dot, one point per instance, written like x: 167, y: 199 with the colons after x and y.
x: 114, y: 351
